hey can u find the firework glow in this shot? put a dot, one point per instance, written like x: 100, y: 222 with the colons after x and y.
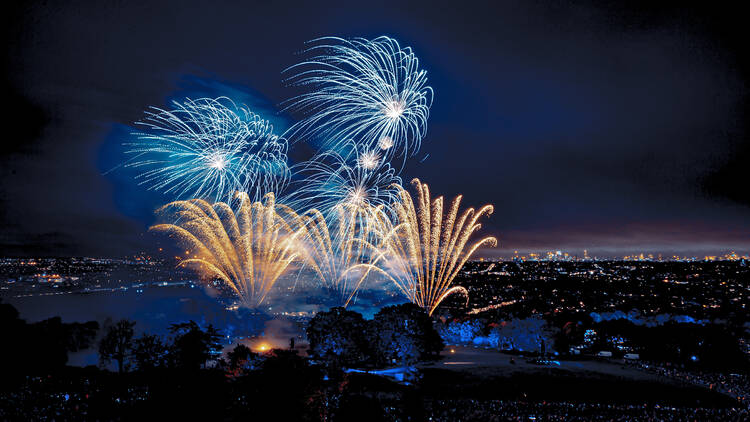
x: 208, y: 148
x: 340, y: 255
x: 427, y: 248
x: 329, y: 180
x: 385, y: 142
x: 371, y: 91
x: 248, y: 249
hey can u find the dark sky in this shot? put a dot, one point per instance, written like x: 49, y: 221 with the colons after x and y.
x: 588, y: 125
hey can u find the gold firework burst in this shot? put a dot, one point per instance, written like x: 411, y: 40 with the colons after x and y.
x: 248, y: 249
x: 425, y: 251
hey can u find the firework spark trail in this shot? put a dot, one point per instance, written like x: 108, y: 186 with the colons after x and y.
x: 339, y: 254
x: 370, y: 91
x: 248, y: 249
x: 425, y: 251
x: 329, y: 180
x: 209, y: 148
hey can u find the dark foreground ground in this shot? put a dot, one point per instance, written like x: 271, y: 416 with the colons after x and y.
x: 467, y: 385
x: 473, y: 384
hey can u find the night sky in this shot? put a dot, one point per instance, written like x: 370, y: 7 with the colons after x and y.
x: 589, y: 126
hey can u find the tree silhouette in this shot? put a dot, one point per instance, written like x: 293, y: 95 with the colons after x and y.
x: 403, y: 334
x: 149, y: 352
x: 241, y: 358
x: 192, y: 346
x: 41, y: 347
x: 117, y: 344
x: 338, y: 337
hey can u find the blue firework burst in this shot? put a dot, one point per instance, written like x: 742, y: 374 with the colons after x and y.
x: 208, y: 148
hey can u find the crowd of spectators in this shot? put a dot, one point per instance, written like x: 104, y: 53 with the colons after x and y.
x: 514, y: 410
x: 736, y: 386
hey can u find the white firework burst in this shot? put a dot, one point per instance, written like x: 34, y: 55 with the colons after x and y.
x: 371, y: 91
x: 330, y: 180
x: 369, y: 160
